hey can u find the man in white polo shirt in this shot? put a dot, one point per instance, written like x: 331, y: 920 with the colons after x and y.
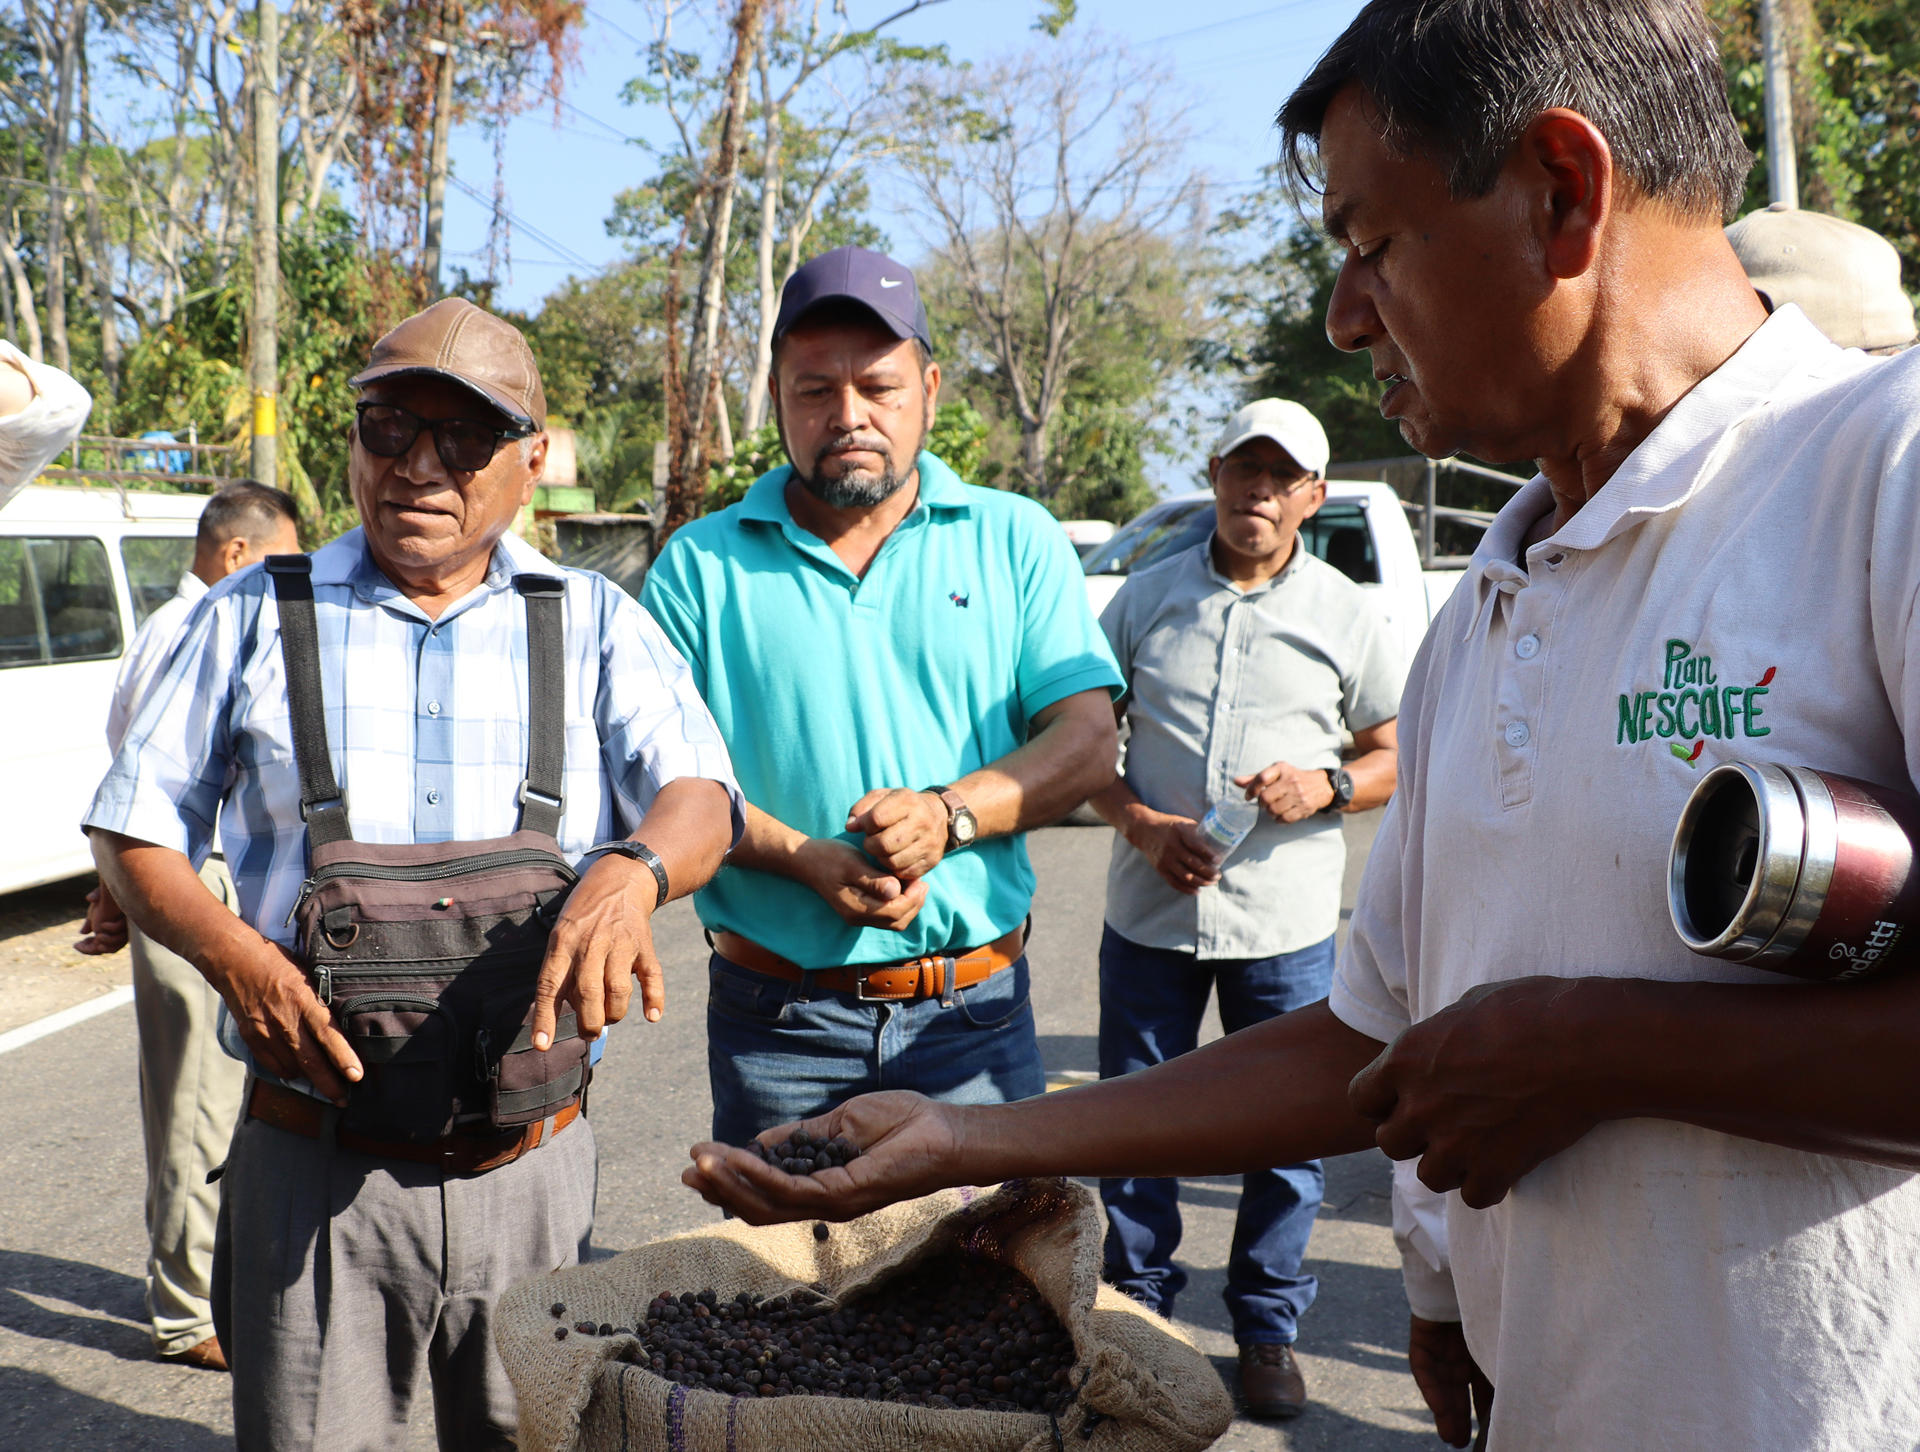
x: 1681, y: 1196
x: 1247, y: 660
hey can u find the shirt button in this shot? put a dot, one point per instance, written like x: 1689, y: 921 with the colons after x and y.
x: 1517, y: 733
x: 433, y: 798
x: 1527, y: 647
x: 433, y: 707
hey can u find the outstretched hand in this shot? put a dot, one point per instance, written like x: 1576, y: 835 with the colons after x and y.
x: 909, y: 1146
x: 1486, y: 1089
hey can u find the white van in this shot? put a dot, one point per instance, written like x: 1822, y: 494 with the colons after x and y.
x: 80, y: 568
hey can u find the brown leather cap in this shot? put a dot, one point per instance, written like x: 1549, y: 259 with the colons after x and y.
x: 454, y: 339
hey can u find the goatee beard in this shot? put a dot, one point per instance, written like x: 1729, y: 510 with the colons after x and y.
x: 860, y: 489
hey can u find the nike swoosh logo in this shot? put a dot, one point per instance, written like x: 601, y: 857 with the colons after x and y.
x: 893, y: 282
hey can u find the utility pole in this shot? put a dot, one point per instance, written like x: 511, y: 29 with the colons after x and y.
x: 263, y: 364
x: 437, y: 163
x: 1783, y: 182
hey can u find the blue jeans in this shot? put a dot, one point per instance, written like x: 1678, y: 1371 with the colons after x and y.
x: 1152, y: 1001
x: 779, y: 1051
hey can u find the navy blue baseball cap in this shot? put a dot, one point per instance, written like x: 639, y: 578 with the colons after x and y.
x: 853, y: 274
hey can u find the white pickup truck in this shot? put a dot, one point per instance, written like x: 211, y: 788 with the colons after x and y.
x: 1361, y: 530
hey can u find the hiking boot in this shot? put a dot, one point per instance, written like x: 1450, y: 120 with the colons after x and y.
x: 1271, y: 1384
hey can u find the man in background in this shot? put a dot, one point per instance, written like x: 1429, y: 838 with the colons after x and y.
x: 1844, y: 277
x: 1247, y: 660
x: 190, y: 1088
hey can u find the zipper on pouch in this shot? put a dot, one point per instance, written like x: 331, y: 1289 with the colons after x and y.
x: 431, y: 872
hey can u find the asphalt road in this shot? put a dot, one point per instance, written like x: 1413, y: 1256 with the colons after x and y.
x: 76, y: 1369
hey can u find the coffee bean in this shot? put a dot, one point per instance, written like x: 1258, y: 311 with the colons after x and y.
x: 926, y: 1338
x: 820, y: 1231
x: 559, y: 1333
x: 559, y: 1310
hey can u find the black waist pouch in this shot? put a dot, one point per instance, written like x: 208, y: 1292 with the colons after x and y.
x: 427, y: 956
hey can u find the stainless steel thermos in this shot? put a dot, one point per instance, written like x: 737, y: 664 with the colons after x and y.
x: 1796, y: 870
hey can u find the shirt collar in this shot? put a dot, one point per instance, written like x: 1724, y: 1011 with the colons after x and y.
x: 1212, y: 568
x: 1670, y: 466
x: 191, y: 586
x: 765, y: 501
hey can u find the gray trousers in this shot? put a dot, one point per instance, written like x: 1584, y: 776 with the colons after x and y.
x: 189, y: 1100
x: 339, y: 1278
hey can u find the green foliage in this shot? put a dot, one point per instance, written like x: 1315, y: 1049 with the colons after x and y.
x: 1056, y: 16
x: 1856, y: 98
x: 1131, y: 349
x: 958, y: 439
x: 334, y: 304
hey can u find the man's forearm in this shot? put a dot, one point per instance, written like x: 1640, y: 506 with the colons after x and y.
x: 769, y: 845
x: 158, y: 889
x: 1273, y: 1094
x: 1071, y: 756
x: 689, y: 827
x: 1115, y: 804
x: 1374, y: 774
x: 1826, y: 1068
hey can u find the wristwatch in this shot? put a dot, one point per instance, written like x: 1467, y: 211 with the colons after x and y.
x: 639, y: 852
x: 1342, y: 785
x: 963, y: 828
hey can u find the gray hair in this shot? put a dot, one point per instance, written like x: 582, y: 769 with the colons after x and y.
x: 1460, y: 80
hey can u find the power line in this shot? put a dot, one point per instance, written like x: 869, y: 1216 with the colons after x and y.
x: 1259, y: 14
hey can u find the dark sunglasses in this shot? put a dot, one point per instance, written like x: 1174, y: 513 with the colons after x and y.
x: 463, y: 444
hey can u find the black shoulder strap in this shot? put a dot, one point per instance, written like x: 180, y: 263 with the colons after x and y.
x: 321, y: 804
x: 542, y: 794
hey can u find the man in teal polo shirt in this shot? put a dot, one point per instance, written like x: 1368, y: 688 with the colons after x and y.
x: 908, y: 676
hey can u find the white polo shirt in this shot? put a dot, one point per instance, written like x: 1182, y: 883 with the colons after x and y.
x: 1743, y: 588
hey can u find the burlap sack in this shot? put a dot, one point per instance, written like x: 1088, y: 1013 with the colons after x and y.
x: 1141, y: 1386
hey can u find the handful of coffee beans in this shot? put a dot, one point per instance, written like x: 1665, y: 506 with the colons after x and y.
x: 802, y: 1154
x: 954, y: 1332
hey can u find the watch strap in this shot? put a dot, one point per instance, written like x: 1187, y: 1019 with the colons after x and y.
x: 1342, y: 784
x: 639, y: 852
x: 955, y: 805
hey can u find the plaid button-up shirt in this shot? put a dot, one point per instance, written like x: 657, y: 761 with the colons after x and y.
x: 426, y: 722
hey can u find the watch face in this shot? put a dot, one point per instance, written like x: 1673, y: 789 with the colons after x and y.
x: 965, y: 828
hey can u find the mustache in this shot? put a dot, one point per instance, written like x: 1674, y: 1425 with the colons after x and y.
x: 851, y: 443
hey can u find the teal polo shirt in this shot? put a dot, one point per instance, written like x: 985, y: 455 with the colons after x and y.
x: 970, y: 621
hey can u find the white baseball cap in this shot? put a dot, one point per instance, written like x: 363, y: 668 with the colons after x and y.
x: 1843, y: 276
x: 1287, y: 424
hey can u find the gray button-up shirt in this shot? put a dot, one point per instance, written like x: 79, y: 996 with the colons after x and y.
x: 1220, y: 684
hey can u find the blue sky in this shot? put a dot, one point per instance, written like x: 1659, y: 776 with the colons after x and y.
x: 1233, y: 61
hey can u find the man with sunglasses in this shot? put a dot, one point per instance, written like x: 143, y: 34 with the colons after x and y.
x: 350, y: 1261
x: 1246, y: 660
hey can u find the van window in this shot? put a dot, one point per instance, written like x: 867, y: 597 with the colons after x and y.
x: 56, y: 602
x: 154, y: 564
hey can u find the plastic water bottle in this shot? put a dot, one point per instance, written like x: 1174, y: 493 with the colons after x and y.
x: 1227, y: 823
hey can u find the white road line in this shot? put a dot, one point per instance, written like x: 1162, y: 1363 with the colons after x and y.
x: 67, y: 1017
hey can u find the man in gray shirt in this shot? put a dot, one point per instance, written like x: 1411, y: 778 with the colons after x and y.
x: 1247, y: 662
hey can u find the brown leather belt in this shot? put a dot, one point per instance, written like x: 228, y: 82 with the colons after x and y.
x: 882, y: 982
x: 457, y: 1154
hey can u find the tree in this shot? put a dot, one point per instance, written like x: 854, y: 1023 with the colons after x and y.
x: 1050, y: 178
x: 1856, y: 102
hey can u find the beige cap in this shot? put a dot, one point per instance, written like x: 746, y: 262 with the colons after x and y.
x: 454, y: 339
x: 1287, y: 424
x: 1844, y: 277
